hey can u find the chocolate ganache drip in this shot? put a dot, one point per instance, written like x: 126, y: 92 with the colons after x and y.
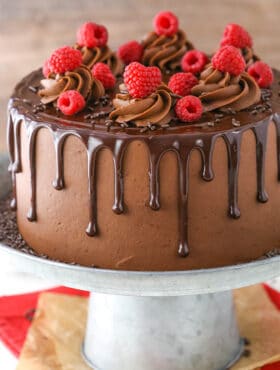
x: 80, y: 79
x: 165, y: 52
x: 104, y: 54
x: 181, y: 140
x: 222, y: 90
x: 155, y: 108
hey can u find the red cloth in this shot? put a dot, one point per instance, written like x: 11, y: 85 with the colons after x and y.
x: 16, y: 314
x: 273, y: 294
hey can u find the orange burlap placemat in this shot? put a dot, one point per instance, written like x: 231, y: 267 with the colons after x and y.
x: 55, y: 337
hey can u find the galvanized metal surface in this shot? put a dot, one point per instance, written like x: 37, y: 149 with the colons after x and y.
x: 178, y: 333
x: 143, y: 283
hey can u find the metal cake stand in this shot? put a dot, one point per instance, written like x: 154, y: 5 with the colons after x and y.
x: 181, y: 320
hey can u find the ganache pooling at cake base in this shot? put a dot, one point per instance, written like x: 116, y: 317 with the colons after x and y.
x: 100, y: 140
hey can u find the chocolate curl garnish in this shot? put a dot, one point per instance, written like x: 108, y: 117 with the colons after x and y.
x: 91, y: 56
x: 154, y: 109
x: 221, y: 90
x: 80, y: 79
x: 165, y: 52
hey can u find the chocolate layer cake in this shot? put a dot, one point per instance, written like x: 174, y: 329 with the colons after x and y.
x: 134, y: 178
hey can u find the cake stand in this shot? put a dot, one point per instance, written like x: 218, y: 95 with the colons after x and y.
x: 181, y: 320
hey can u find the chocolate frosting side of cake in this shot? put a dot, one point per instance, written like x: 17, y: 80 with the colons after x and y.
x: 181, y: 140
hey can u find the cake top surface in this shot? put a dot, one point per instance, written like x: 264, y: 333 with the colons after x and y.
x: 160, y: 86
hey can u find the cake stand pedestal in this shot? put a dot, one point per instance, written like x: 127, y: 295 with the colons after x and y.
x: 181, y: 320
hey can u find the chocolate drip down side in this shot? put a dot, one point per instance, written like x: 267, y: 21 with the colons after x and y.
x: 182, y: 145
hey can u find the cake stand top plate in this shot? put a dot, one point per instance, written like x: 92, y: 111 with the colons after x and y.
x: 171, y: 283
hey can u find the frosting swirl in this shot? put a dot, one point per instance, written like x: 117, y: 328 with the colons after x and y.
x: 80, y: 79
x: 91, y: 56
x: 155, y: 108
x: 221, y: 90
x: 165, y: 52
x: 249, y: 56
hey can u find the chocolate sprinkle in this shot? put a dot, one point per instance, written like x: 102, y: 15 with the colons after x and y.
x: 246, y: 353
x: 33, y: 89
x: 9, y: 234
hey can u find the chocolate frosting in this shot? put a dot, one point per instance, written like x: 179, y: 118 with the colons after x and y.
x: 249, y: 56
x: 221, y: 90
x: 80, y: 79
x: 165, y: 52
x: 103, y: 54
x: 155, y: 108
x: 181, y: 139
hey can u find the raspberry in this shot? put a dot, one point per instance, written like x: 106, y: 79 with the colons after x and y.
x: 229, y: 59
x: 103, y: 73
x: 262, y: 73
x: 237, y: 36
x: 130, y: 52
x: 182, y: 83
x: 46, y: 70
x: 70, y: 102
x: 194, y: 61
x: 188, y: 108
x: 166, y: 23
x: 64, y: 59
x: 92, y: 35
x: 141, y: 81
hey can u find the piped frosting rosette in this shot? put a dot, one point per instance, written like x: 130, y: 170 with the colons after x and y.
x: 165, y: 52
x: 144, y: 99
x: 80, y: 79
x: 218, y: 89
x: 92, y: 41
x: 153, y: 109
x: 225, y: 84
x: 166, y: 45
x: 91, y: 56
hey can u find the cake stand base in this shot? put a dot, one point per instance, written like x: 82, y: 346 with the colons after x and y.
x: 195, y: 332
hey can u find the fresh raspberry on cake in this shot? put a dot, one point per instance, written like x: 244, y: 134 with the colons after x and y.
x: 141, y: 81
x: 237, y: 36
x: 188, y: 108
x: 103, y: 73
x: 91, y: 35
x: 64, y: 59
x: 46, y: 70
x: 166, y: 23
x: 229, y: 59
x: 131, y: 51
x: 262, y: 73
x: 181, y: 83
x: 194, y: 61
x: 71, y: 102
